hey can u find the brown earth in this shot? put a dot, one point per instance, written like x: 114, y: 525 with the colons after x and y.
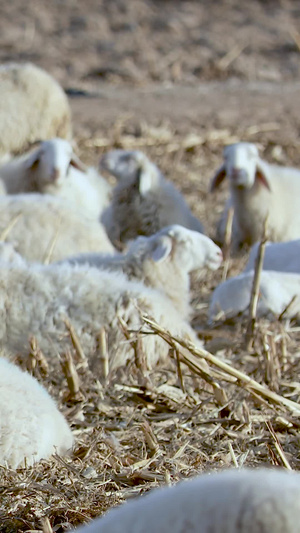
x: 179, y: 80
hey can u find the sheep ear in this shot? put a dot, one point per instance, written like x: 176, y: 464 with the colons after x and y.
x: 262, y: 176
x: 219, y: 176
x: 145, y: 181
x: 33, y: 159
x: 77, y: 163
x: 162, y: 249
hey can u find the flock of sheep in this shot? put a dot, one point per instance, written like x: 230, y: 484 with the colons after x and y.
x: 75, y: 249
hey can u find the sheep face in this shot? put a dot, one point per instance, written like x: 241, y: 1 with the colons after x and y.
x: 240, y: 164
x: 54, y: 159
x: 189, y: 249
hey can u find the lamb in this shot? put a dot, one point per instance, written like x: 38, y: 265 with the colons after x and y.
x: 279, y: 256
x: 233, y: 501
x: 143, y: 201
x: 53, y: 168
x: 258, y: 189
x: 277, y: 290
x: 33, y: 106
x: 190, y: 251
x: 37, y: 300
x: 43, y: 228
x: 31, y: 427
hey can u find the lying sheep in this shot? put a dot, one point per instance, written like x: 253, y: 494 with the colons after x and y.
x: 233, y: 501
x: 37, y: 300
x: 32, y: 106
x: 31, y: 427
x: 43, y: 228
x: 279, y: 256
x: 143, y: 201
x: 258, y: 189
x: 162, y: 261
x: 276, y: 290
x: 53, y: 168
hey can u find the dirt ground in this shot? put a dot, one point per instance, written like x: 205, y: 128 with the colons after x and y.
x: 179, y: 80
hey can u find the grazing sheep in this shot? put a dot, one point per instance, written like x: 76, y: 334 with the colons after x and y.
x: 233, y: 501
x: 31, y: 427
x: 43, y: 228
x: 37, y: 300
x: 276, y: 290
x: 182, y: 251
x: 32, y: 106
x: 258, y: 189
x: 279, y: 256
x: 143, y: 201
x: 53, y: 168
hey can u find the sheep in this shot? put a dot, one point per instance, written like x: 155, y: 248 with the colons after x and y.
x: 31, y: 426
x: 279, y: 256
x: 258, y: 189
x: 37, y: 300
x: 143, y: 201
x: 277, y: 290
x: 43, y: 228
x: 32, y: 106
x: 190, y: 251
x: 232, y: 501
x: 53, y: 168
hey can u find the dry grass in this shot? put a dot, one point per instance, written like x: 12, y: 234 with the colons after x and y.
x: 135, y: 429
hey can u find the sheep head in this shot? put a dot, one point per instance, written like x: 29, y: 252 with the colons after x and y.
x: 132, y: 165
x: 53, y: 160
x: 243, y: 166
x: 190, y: 249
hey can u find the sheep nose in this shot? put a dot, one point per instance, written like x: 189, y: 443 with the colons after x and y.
x: 55, y: 175
x: 238, y: 173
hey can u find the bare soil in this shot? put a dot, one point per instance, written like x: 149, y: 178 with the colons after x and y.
x: 179, y: 80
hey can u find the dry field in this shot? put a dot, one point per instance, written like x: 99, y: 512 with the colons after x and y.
x: 179, y: 80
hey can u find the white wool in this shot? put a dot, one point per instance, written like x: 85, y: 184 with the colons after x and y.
x: 43, y: 227
x: 276, y: 291
x: 279, y: 256
x: 31, y: 427
x: 37, y: 300
x: 33, y: 106
x: 234, y: 501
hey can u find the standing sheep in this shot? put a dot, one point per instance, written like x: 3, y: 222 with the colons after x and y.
x: 31, y: 427
x: 276, y: 291
x: 258, y: 190
x: 32, y: 106
x: 43, y: 228
x: 234, y: 501
x: 36, y: 300
x: 53, y: 168
x: 143, y: 201
x: 182, y: 251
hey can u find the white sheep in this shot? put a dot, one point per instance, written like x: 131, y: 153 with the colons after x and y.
x: 279, y: 256
x: 190, y: 251
x: 31, y: 426
x: 32, y: 106
x: 53, y: 168
x: 143, y: 201
x: 36, y: 301
x: 276, y: 292
x: 43, y: 227
x: 232, y: 501
x: 258, y: 189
